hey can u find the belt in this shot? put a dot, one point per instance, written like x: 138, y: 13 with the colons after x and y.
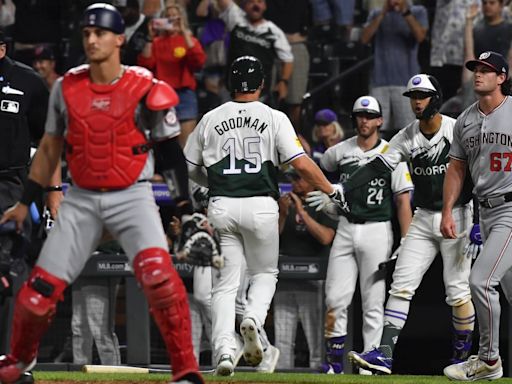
x: 493, y: 202
x: 354, y: 220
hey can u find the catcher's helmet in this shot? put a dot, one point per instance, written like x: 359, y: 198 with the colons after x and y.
x: 245, y: 75
x: 429, y: 86
x: 103, y: 16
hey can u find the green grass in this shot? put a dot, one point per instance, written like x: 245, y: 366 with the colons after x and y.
x: 245, y: 377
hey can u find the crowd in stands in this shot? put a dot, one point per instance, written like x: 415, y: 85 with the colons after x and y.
x: 190, y: 43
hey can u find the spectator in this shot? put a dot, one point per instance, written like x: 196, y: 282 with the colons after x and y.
x: 7, y: 12
x: 174, y: 55
x: 339, y: 11
x: 37, y: 22
x: 292, y: 16
x: 44, y: 63
x: 253, y: 35
x: 396, y: 31
x: 136, y: 33
x: 447, y: 48
x: 491, y: 32
x: 303, y: 232
x: 326, y: 133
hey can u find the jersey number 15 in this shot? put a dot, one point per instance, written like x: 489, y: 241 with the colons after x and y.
x: 251, y: 154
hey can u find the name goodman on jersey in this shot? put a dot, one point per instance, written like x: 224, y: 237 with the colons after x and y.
x: 240, y: 122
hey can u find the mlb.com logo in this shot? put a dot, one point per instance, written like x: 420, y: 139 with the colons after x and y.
x: 10, y: 106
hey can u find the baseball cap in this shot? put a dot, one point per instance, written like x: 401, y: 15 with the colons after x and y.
x: 491, y: 59
x: 44, y: 52
x: 325, y: 116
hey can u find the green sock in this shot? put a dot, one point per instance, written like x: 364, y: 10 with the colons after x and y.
x: 389, y: 339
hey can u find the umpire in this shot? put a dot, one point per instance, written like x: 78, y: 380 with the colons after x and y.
x: 23, y: 105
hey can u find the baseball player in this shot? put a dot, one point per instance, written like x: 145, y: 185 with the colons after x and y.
x: 101, y: 111
x: 482, y: 141
x: 425, y: 144
x: 352, y: 255
x: 240, y: 144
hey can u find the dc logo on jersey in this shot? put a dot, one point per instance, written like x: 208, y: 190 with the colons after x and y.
x: 10, y: 106
x: 365, y: 102
x: 416, y: 80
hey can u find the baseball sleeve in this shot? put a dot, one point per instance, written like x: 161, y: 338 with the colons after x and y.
x: 193, y: 150
x: 457, y: 149
x: 56, y: 116
x: 328, y: 161
x: 287, y: 143
x: 232, y: 16
x: 401, y: 180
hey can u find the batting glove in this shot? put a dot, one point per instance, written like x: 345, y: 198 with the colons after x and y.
x: 474, y: 246
x: 321, y: 200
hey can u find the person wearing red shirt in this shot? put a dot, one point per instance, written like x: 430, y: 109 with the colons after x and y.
x: 174, y: 54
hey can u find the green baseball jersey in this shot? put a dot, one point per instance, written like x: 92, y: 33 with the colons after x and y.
x: 428, y: 161
x: 241, y: 145
x: 374, y: 201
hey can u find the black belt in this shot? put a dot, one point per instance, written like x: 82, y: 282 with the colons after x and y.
x: 493, y: 202
x: 354, y: 220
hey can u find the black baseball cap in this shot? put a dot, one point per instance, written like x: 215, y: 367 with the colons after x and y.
x: 44, y: 52
x: 492, y: 60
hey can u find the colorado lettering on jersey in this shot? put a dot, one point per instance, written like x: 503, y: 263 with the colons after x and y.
x: 430, y: 171
x: 240, y: 122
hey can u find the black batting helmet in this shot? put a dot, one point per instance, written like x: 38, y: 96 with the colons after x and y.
x: 245, y: 75
x: 429, y: 86
x: 104, y: 16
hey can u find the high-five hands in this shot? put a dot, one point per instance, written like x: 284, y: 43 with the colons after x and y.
x: 321, y: 200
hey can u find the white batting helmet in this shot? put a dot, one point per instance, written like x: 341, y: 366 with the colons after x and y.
x: 367, y: 104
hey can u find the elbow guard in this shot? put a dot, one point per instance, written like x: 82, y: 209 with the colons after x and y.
x: 161, y: 96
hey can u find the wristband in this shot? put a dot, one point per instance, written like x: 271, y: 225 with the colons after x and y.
x: 31, y: 191
x: 53, y: 188
x: 406, y: 13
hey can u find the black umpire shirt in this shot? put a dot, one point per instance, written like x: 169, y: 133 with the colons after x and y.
x: 23, y: 107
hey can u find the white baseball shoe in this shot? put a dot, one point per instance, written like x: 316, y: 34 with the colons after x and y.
x: 269, y: 362
x: 474, y: 369
x: 253, y: 350
x: 225, y: 366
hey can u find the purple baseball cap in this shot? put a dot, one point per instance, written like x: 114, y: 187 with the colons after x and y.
x: 325, y: 116
x: 492, y: 60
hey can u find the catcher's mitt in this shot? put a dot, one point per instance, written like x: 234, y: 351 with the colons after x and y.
x: 199, y: 243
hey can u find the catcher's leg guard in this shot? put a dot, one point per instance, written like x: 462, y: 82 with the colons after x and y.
x: 35, y: 307
x: 168, y: 304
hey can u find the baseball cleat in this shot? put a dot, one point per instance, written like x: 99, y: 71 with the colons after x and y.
x: 373, y: 361
x: 13, y: 371
x: 225, y: 366
x: 332, y: 368
x: 474, y: 369
x: 269, y: 362
x: 253, y: 350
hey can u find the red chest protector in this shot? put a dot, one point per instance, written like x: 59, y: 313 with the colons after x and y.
x: 105, y: 149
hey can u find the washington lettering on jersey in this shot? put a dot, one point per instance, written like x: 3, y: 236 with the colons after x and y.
x: 240, y: 122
